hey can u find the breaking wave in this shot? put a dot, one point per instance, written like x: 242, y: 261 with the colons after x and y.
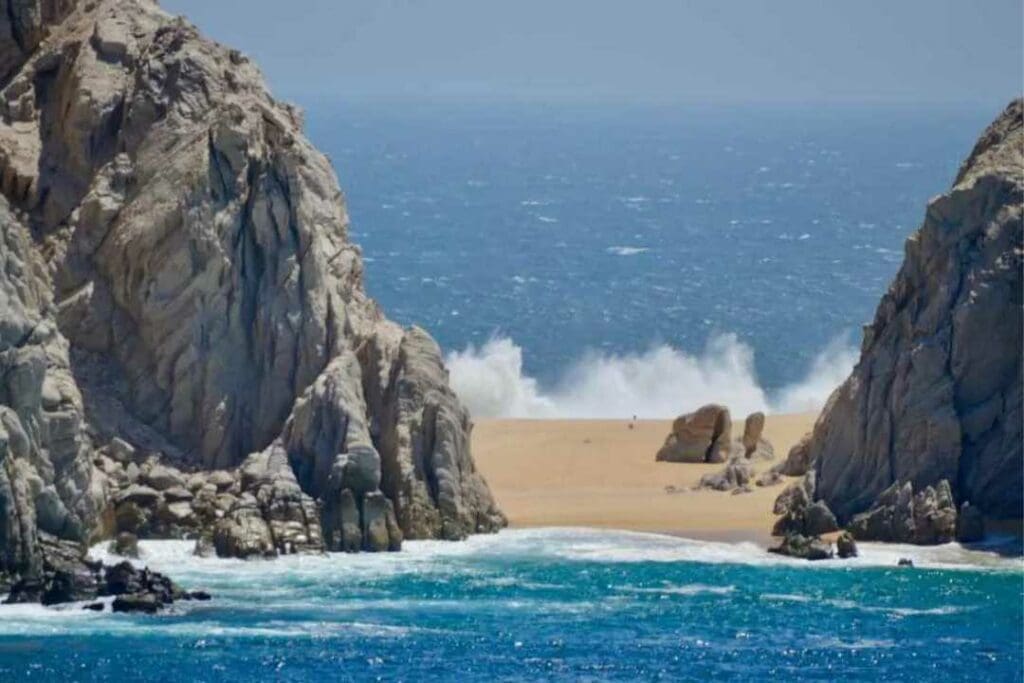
x: 659, y: 383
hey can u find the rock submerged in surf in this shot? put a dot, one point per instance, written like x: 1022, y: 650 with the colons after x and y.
x: 68, y: 575
x: 803, y: 547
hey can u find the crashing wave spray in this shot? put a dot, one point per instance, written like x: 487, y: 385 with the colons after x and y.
x: 659, y: 383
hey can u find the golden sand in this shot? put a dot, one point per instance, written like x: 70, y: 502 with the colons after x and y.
x: 601, y: 473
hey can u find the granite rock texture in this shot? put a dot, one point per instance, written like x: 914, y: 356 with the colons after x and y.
x: 186, y: 346
x: 935, y: 400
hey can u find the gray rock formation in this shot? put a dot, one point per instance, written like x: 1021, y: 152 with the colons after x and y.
x: 936, y: 395
x: 898, y: 515
x: 737, y: 474
x: 178, y: 294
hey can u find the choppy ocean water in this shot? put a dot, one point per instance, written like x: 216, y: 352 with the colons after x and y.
x: 557, y: 604
x: 612, y: 261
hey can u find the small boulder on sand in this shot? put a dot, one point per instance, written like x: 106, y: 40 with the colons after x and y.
x: 700, y: 436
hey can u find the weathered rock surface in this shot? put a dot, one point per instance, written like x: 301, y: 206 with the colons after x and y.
x: 701, y: 436
x: 934, y: 404
x: 705, y: 436
x: 898, y: 515
x: 178, y: 294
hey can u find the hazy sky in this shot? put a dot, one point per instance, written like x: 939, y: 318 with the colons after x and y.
x: 641, y: 50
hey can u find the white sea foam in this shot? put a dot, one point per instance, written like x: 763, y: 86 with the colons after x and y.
x: 687, y: 589
x: 659, y: 383
x: 626, y: 251
x: 330, y: 596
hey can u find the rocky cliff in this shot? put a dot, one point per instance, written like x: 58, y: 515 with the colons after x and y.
x: 178, y: 288
x: 934, y: 404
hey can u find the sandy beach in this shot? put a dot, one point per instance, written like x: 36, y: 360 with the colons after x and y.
x: 601, y: 473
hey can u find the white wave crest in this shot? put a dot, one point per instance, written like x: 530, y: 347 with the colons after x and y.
x: 659, y: 383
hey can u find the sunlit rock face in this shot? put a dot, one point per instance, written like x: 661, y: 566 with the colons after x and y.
x: 936, y: 396
x: 178, y: 288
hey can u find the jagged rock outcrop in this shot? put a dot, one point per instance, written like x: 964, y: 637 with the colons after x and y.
x: 898, y: 515
x: 67, y: 575
x: 935, y: 400
x: 178, y: 295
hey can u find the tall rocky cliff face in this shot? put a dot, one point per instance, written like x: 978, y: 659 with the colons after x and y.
x: 177, y: 286
x: 936, y: 395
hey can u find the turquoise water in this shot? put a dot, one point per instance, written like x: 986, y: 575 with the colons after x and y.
x: 548, y: 605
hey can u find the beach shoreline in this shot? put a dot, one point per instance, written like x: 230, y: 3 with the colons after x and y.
x: 602, y: 474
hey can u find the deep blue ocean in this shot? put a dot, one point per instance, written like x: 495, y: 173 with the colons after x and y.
x: 697, y: 247
x: 547, y: 605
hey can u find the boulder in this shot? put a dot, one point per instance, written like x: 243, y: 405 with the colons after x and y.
x: 220, y: 479
x: 178, y: 494
x: 803, y: 547
x: 140, y: 495
x: 162, y: 477
x: 754, y: 445
x: 701, y: 436
x: 768, y: 478
x: 752, y: 429
x: 846, y: 546
x: 145, y: 603
x: 736, y: 475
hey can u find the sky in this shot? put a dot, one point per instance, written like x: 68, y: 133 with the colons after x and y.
x: 659, y: 51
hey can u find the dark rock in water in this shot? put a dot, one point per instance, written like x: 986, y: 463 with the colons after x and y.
x: 70, y: 585
x: 125, y: 544
x: 804, y: 547
x: 68, y: 576
x: 970, y: 524
x: 94, y: 606
x: 846, y: 546
x: 197, y: 595
x: 905, y: 562
x: 147, y: 603
x: 937, y: 393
